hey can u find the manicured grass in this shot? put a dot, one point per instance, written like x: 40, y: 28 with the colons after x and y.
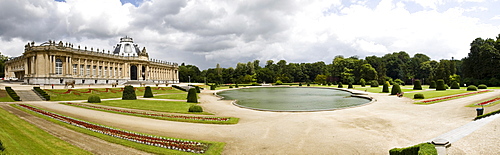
x: 103, y: 93
x: 489, y: 105
x: 4, y: 97
x: 434, y: 93
x: 152, y: 105
x: 21, y: 137
x: 179, y: 96
x: 232, y: 120
x: 215, y: 147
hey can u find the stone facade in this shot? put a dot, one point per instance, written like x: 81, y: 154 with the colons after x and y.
x: 56, y: 63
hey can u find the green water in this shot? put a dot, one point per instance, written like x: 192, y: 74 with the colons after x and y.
x: 292, y: 99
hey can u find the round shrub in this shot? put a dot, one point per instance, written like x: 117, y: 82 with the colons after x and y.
x: 472, y: 88
x: 129, y: 93
x: 350, y: 86
x: 148, y: 93
x: 417, y: 85
x: 329, y: 84
x: 418, y: 96
x: 195, y: 108
x: 340, y: 85
x: 440, y: 85
x: 395, y: 89
x: 191, y: 97
x: 385, y: 88
x: 300, y: 84
x: 230, y: 86
x: 236, y: 86
x: 308, y: 84
x: 455, y: 85
x: 482, y: 86
x: 433, y: 85
x: 374, y: 83
x: 94, y: 99
x: 212, y: 87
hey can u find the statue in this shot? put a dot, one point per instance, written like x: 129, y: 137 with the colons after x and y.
x: 69, y: 83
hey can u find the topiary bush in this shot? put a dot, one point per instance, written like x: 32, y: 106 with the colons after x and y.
x: 417, y: 85
x: 433, y: 85
x: 472, y: 88
x: 308, y: 84
x: 374, y: 83
x: 212, y: 87
x: 94, y: 99
x: 385, y: 88
x: 129, y: 93
x: 12, y: 94
x: 350, y: 86
x: 440, y: 85
x: 230, y: 86
x: 195, y: 108
x: 191, y: 97
x: 418, y: 96
x: 482, y: 86
x: 278, y: 82
x: 395, y: 89
x: 455, y: 85
x: 300, y: 84
x: 340, y: 85
x: 148, y: 93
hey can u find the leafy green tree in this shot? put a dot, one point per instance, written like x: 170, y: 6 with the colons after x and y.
x: 362, y: 82
x: 320, y: 79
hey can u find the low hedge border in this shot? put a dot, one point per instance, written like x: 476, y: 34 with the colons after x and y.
x: 12, y: 94
x: 42, y: 93
x: 420, y: 149
x: 486, y: 115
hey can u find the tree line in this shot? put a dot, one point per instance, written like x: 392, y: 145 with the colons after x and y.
x: 481, y: 66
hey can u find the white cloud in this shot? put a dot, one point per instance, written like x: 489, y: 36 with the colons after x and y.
x: 207, y: 32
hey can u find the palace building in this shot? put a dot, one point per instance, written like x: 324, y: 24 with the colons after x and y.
x: 57, y: 63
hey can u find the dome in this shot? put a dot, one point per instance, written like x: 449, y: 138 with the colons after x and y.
x: 126, y: 47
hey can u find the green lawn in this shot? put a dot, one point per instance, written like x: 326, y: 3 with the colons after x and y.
x: 434, y: 93
x: 177, y: 96
x: 21, y: 137
x: 215, y: 147
x: 152, y: 105
x: 4, y: 97
x: 103, y: 93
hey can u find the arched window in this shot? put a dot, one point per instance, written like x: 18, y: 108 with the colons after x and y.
x: 59, y: 67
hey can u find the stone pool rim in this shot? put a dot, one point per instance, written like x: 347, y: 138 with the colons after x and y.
x: 354, y: 94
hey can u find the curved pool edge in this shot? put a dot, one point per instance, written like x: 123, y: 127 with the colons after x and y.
x: 354, y: 94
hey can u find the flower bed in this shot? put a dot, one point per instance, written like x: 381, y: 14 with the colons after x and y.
x: 488, y: 101
x: 452, y: 97
x: 201, y: 118
x: 168, y: 143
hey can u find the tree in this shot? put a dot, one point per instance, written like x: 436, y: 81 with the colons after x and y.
x: 320, y: 79
x: 385, y: 88
x: 440, y: 85
x: 395, y: 89
x: 148, y: 93
x: 362, y: 82
x: 417, y: 85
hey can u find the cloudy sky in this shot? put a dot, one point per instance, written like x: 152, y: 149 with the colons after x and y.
x: 207, y: 32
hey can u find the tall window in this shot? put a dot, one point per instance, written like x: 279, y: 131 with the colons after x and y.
x: 111, y: 71
x: 100, y: 70
x: 81, y: 69
x: 75, y: 69
x: 120, y: 72
x: 105, y: 71
x: 59, y: 67
x: 88, y: 70
x: 94, y: 70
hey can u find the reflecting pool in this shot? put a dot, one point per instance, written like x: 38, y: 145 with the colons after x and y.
x: 292, y: 98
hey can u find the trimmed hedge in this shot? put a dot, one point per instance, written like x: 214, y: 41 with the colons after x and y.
x: 178, y: 87
x: 195, y: 108
x: 129, y: 93
x: 148, y: 93
x: 350, y: 86
x: 440, y: 85
x: 300, y: 84
x: 486, y: 115
x: 374, y: 83
x: 433, y: 85
x: 385, y: 88
x: 212, y: 87
x: 455, y: 85
x: 417, y: 85
x: 42, y: 93
x: 395, y: 89
x: 418, y: 96
x: 340, y: 85
x: 420, y: 149
x: 12, y: 94
x: 94, y: 99
x: 482, y: 86
x: 191, y: 97
x: 472, y: 88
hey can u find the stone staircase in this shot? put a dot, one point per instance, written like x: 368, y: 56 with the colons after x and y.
x: 28, y: 95
x: 134, y: 82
